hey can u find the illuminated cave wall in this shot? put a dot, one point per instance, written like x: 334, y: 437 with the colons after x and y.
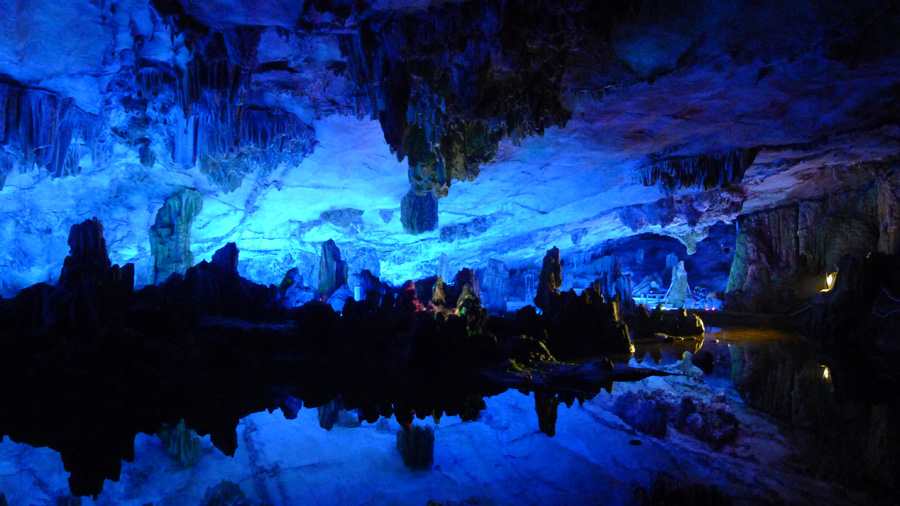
x: 528, y: 124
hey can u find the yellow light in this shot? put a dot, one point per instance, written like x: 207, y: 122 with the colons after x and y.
x: 826, y: 374
x: 829, y: 282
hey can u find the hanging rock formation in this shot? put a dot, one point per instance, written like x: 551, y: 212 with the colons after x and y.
x: 419, y: 213
x: 448, y: 119
x: 40, y: 128
x: 170, y: 235
x: 705, y: 172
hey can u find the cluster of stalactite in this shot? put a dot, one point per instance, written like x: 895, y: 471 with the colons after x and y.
x: 704, y: 172
x: 38, y: 128
x: 449, y: 82
x: 224, y: 132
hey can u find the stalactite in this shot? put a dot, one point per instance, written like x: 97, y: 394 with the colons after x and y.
x: 435, y: 110
x: 38, y: 128
x: 704, y: 172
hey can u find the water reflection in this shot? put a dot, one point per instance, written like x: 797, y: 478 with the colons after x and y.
x: 488, y: 440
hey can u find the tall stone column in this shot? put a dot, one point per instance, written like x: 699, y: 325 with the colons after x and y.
x: 170, y: 235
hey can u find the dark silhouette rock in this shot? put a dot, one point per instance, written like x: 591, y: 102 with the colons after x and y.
x: 226, y: 259
x: 546, y: 405
x: 293, y: 292
x: 679, y: 323
x: 333, y: 413
x: 88, y: 259
x: 549, y: 282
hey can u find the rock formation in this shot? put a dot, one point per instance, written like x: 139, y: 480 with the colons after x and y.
x: 180, y: 442
x: 783, y: 255
x: 418, y: 213
x: 170, y: 235
x: 332, y: 270
x: 416, y: 446
x: 494, y: 286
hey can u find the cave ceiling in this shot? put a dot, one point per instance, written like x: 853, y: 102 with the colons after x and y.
x: 533, y: 123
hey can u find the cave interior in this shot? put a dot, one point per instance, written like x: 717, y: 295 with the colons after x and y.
x: 448, y: 252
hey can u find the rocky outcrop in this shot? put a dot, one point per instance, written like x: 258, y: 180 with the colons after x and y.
x: 293, y: 292
x: 332, y: 270
x: 462, y: 231
x: 888, y: 202
x: 333, y: 413
x: 643, y: 412
x: 612, y: 281
x: 549, y: 282
x: 783, y: 255
x: 494, y: 286
x: 583, y: 324
x: 216, y: 288
x: 180, y: 442
x: 647, y: 324
x: 347, y: 218
x: 687, y: 218
x: 170, y: 235
x: 650, y: 412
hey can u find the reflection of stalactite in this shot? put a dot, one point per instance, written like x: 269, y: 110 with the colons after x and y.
x: 547, y: 406
x: 704, y: 172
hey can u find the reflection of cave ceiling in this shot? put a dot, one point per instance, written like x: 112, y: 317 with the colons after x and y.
x: 535, y: 123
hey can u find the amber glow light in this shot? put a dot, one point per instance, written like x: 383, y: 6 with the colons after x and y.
x: 829, y: 282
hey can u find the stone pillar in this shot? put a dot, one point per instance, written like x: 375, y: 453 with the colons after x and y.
x: 170, y: 235
x: 332, y: 269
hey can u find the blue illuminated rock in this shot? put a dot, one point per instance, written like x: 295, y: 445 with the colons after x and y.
x: 332, y: 269
x: 418, y: 213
